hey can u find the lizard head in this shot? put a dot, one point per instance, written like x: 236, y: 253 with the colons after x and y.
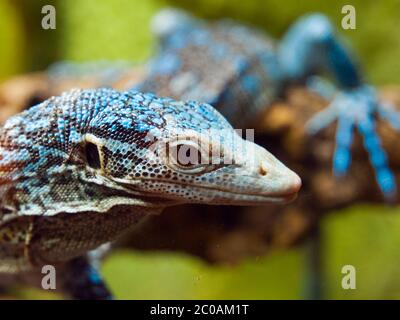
x: 92, y: 150
x: 182, y: 152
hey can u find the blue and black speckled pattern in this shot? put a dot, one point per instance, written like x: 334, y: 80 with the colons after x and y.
x: 44, y: 135
x: 228, y: 65
x: 42, y: 158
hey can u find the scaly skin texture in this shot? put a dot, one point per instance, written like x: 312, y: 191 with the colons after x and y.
x: 79, y: 169
x: 240, y: 71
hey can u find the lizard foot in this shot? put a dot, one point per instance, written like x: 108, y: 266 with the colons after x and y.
x: 83, y: 282
x: 357, y: 109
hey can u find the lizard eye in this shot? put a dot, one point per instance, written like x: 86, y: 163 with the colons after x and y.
x: 92, y: 155
x: 186, y: 156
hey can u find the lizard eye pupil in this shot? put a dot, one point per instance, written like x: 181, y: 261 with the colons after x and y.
x: 92, y: 155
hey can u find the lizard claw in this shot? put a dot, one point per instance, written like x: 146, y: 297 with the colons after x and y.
x: 357, y: 109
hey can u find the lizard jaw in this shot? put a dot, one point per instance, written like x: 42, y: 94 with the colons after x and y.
x: 216, y: 195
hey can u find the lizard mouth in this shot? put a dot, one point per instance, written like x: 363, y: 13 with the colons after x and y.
x: 216, y: 195
x: 237, y: 199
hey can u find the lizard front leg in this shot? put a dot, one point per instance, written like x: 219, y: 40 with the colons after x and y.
x: 310, y: 47
x: 81, y: 280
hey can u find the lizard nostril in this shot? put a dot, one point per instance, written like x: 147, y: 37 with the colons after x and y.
x: 262, y: 171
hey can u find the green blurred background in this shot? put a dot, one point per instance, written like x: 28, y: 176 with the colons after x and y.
x: 364, y: 236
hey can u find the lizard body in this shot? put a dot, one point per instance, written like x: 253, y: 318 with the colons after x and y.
x: 79, y: 169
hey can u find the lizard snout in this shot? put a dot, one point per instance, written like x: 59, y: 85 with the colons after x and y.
x: 278, y: 179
